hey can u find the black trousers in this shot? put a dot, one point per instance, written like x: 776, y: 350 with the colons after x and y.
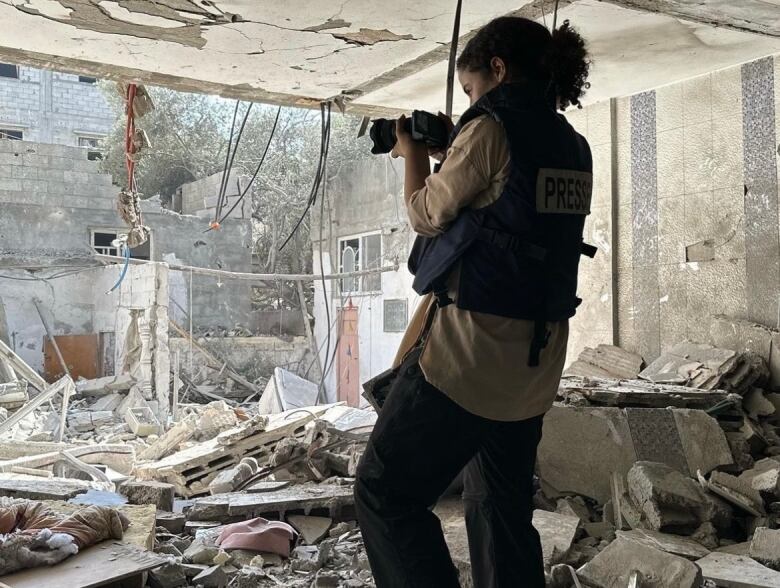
x: 420, y: 443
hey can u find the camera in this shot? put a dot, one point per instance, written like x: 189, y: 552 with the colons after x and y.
x: 422, y: 126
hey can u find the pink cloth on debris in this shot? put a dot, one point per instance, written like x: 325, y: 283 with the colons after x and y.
x: 258, y: 535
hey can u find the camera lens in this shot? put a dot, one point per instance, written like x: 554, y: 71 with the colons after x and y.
x: 382, y: 135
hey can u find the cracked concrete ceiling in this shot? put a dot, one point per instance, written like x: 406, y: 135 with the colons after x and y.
x: 378, y: 56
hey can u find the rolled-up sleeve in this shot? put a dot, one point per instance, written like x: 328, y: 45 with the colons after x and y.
x: 465, y: 173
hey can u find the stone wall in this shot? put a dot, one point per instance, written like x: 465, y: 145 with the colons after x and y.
x: 200, y: 197
x: 53, y: 107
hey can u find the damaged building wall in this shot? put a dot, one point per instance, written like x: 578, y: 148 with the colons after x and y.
x: 54, y: 107
x: 365, y: 210
x: 696, y: 209
x: 54, y: 199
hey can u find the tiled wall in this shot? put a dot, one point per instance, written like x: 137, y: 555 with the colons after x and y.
x: 695, y: 163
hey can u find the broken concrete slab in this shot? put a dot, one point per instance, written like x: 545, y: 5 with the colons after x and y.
x: 259, y: 487
x: 173, y: 522
x: 746, y: 336
x: 232, y: 479
x: 764, y: 476
x: 573, y: 506
x: 286, y: 391
x: 312, y: 529
x: 213, y: 577
x: 735, y: 548
x: 42, y: 489
x: 109, y: 402
x: 737, y: 492
x: 637, y: 393
x: 688, y: 440
x: 230, y: 507
x: 694, y: 364
x: 757, y: 405
x: 618, y: 561
x: 735, y: 571
x: 674, y: 544
x: 765, y: 547
x: 170, y: 575
x: 669, y: 500
x: 157, y: 493
x: 606, y: 361
x: 558, y: 532
x: 105, y: 386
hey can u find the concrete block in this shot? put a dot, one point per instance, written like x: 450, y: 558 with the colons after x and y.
x: 765, y: 547
x: 157, y: 493
x: 669, y: 501
x: 615, y: 564
x: 170, y: 575
x: 213, y: 577
x: 735, y: 571
x: 674, y: 544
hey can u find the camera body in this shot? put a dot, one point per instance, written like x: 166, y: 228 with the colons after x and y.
x: 424, y: 127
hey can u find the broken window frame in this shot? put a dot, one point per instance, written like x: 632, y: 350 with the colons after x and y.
x: 362, y: 285
x: 94, y: 145
x: 5, y: 71
x: 119, y: 251
x: 12, y: 134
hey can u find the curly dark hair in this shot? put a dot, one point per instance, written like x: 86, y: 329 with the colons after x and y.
x: 530, y: 51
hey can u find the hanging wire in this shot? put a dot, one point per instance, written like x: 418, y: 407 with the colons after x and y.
x: 226, y: 176
x: 227, y: 157
x: 124, y: 270
x: 257, y: 169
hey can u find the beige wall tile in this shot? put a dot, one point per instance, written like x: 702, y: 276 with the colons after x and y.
x: 602, y: 175
x: 697, y: 100
x: 671, y: 163
x: 671, y: 230
x: 715, y: 287
x: 669, y: 107
x: 672, y: 289
x: 624, y: 248
x: 599, y: 123
x: 697, y: 151
x: 729, y: 222
x: 727, y: 92
x: 727, y: 164
x: 624, y: 173
x: 623, y: 119
x: 578, y: 118
x: 699, y: 218
x: 625, y: 299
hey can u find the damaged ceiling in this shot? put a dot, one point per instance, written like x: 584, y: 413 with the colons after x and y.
x: 377, y: 56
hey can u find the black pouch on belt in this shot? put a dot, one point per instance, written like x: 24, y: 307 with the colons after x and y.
x: 377, y: 388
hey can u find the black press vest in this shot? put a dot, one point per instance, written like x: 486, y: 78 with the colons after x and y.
x: 518, y: 256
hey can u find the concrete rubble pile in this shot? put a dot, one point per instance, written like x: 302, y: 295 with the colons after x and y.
x: 673, y: 468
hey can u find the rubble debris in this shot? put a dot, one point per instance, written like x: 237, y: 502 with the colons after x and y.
x: 765, y: 547
x: 668, y: 500
x: 213, y: 577
x: 286, y: 391
x: 171, y: 440
x: 142, y: 421
x: 606, y: 361
x: 735, y: 571
x: 674, y: 544
x: 38, y: 489
x: 737, y: 492
x: 231, y: 479
x: 156, y: 493
x: 614, y: 566
x: 311, y: 529
x: 89, y: 420
x: 764, y: 477
x: 105, y: 386
x: 170, y: 575
x: 688, y: 440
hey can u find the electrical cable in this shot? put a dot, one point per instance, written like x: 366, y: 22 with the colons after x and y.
x: 257, y: 170
x: 452, y: 60
x: 324, y: 161
x: 227, y: 155
x: 555, y: 16
x: 222, y: 198
x: 124, y: 270
x: 317, y: 176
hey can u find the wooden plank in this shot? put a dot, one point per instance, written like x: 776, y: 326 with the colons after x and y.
x: 21, y: 367
x: 108, y: 454
x: 65, y: 385
x: 96, y: 566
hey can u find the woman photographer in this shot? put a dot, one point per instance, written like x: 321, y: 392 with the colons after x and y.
x: 500, y: 235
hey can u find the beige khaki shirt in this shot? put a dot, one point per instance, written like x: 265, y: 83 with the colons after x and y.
x: 479, y: 360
